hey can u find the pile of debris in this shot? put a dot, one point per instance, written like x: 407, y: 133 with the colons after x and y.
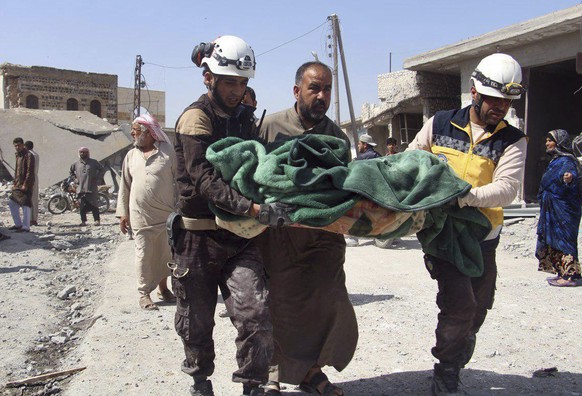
x: 52, y: 281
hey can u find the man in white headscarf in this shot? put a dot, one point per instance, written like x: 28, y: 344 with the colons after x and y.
x: 147, y: 195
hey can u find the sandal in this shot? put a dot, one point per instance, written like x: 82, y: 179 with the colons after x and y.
x: 315, y: 382
x: 145, y: 302
x: 561, y: 282
x: 167, y: 296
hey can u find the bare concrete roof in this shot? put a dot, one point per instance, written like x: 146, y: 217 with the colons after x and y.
x: 447, y: 59
x: 57, y: 136
x: 74, y: 121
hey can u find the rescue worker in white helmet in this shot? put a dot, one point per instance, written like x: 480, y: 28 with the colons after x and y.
x: 487, y: 152
x: 207, y: 258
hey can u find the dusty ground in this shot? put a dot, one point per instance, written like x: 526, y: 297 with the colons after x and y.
x: 128, y: 351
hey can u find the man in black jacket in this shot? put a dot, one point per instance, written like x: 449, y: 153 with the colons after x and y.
x: 366, y: 148
x: 207, y: 257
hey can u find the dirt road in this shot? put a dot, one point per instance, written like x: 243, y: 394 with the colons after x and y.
x: 128, y: 351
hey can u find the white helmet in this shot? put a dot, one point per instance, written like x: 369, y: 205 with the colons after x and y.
x: 227, y: 56
x: 498, y: 75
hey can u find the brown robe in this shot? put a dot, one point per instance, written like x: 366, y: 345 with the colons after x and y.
x: 24, y: 178
x: 313, y: 319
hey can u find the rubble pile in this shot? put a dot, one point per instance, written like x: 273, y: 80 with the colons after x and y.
x: 52, y: 285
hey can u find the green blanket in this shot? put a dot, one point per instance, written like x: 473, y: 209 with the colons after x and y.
x: 313, y: 173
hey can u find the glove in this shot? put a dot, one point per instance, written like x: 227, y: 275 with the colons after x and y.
x: 275, y: 214
x: 453, y: 203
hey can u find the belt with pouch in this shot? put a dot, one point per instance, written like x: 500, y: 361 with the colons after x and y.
x: 190, y: 224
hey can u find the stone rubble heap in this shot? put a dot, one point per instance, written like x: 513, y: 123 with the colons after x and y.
x: 59, y: 264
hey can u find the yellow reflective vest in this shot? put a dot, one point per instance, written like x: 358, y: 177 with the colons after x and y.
x: 474, y: 162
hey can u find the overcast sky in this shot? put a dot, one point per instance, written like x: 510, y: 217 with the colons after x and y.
x: 105, y: 36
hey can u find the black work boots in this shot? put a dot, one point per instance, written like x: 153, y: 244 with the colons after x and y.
x: 445, y: 380
x: 253, y: 390
x: 202, y: 388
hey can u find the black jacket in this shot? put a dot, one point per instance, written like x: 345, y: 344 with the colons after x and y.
x: 198, y: 183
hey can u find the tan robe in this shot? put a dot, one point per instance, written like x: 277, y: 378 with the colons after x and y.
x: 313, y: 319
x: 147, y: 195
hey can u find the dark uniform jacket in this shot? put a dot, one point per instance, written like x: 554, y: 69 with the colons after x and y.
x: 200, y: 125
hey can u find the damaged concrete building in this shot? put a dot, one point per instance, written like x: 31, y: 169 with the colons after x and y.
x: 57, y: 136
x: 549, y: 49
x: 154, y: 102
x: 61, y: 110
x: 47, y: 88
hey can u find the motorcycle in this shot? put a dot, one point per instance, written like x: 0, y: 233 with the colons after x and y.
x: 68, y: 199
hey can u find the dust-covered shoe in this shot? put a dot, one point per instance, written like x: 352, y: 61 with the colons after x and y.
x: 167, y: 296
x: 202, y: 388
x: 445, y: 380
x: 253, y: 390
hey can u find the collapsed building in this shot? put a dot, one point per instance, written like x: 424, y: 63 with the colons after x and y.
x: 61, y: 110
x: 57, y: 136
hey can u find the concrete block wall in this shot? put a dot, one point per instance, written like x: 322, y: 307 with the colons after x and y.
x: 53, y: 87
x: 399, y: 91
x: 397, y: 86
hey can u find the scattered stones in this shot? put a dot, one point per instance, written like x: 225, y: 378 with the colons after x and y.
x: 61, y: 245
x: 59, y: 340
x: 47, y: 237
x: 64, y: 294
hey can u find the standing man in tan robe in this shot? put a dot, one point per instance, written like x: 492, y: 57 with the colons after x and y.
x: 314, y: 323
x: 147, y: 196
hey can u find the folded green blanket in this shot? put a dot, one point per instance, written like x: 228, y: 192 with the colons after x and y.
x: 313, y: 173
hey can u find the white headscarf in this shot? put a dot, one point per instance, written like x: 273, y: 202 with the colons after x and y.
x: 153, y: 126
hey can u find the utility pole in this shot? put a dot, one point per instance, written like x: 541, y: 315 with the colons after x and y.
x: 337, y: 34
x: 137, y: 87
x: 336, y: 103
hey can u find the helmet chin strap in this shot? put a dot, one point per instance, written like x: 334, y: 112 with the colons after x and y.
x: 477, y: 105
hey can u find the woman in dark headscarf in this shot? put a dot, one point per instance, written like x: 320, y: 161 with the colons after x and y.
x: 560, y: 211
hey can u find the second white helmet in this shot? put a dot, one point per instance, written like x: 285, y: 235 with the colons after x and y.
x: 227, y: 56
x: 498, y: 75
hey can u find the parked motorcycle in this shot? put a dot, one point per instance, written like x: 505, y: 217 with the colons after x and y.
x: 68, y: 199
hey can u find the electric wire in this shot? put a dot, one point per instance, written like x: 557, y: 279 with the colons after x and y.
x: 170, y: 67
x: 290, y: 41
x: 256, y: 56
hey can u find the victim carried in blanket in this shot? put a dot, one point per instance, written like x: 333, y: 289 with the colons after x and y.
x: 390, y: 196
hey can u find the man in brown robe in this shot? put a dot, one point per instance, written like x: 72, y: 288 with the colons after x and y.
x: 314, y: 323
